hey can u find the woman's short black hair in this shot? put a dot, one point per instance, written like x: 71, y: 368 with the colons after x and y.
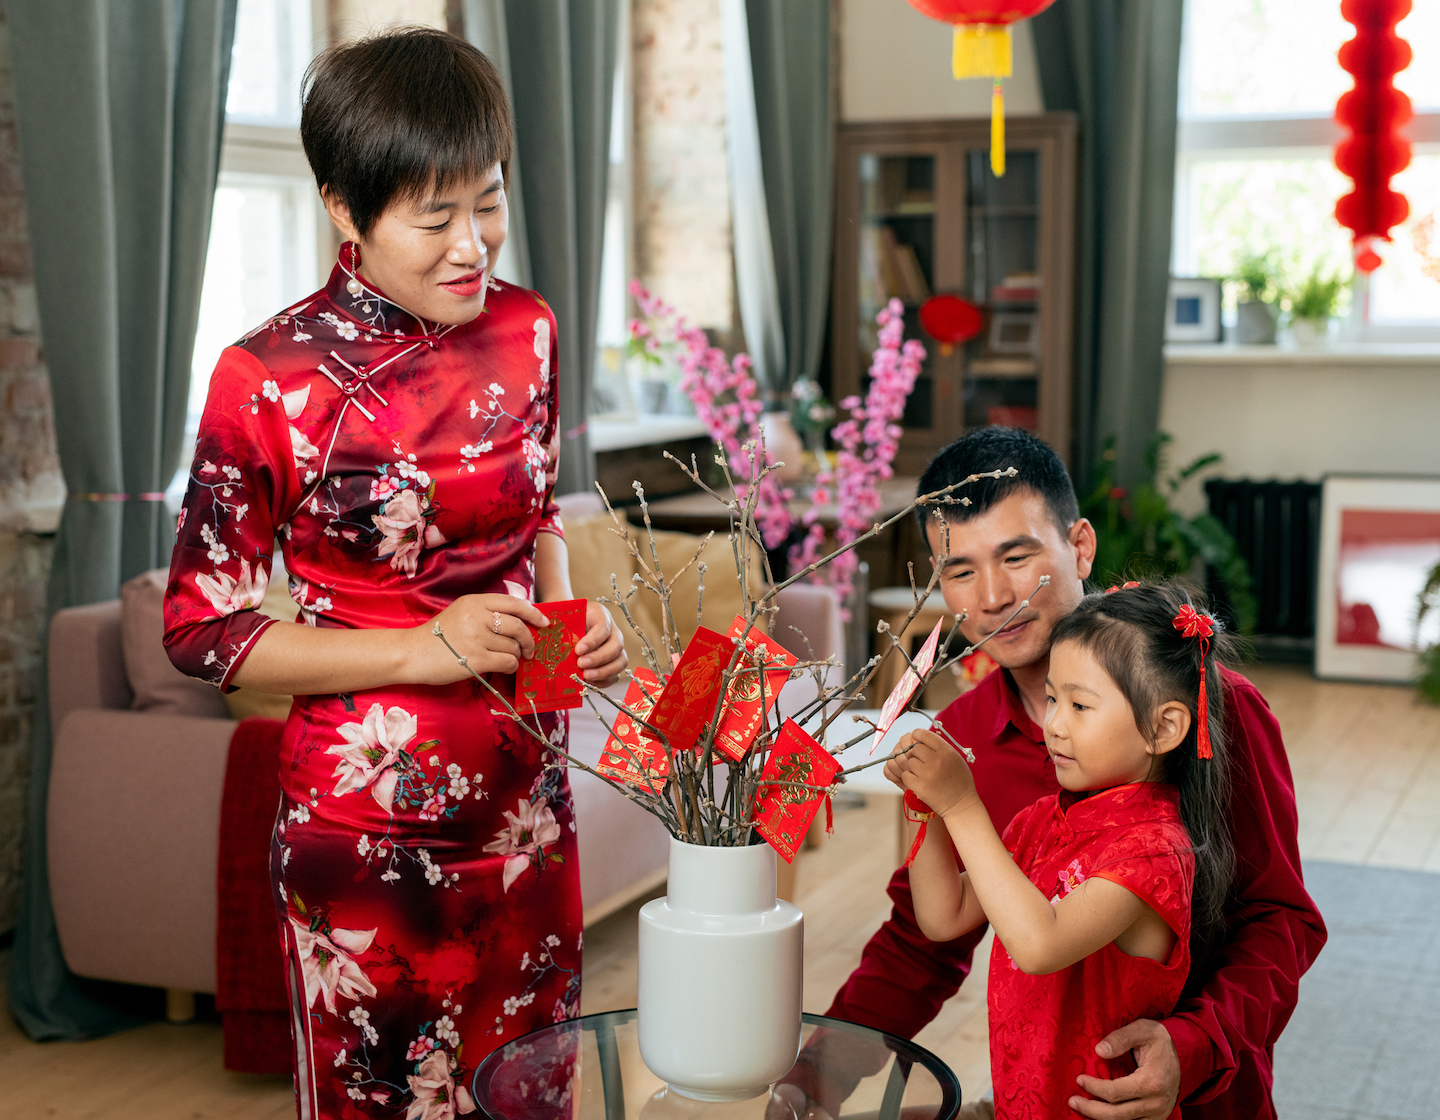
x: 401, y: 114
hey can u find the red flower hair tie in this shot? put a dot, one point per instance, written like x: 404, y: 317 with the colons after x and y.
x: 1193, y: 624
x: 1116, y: 587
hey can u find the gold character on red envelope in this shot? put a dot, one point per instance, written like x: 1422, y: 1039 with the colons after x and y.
x: 547, y: 682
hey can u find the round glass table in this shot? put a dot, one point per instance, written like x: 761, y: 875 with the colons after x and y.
x: 590, y: 1069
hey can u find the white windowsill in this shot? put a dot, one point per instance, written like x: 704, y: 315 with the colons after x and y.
x: 1338, y: 354
x: 617, y: 435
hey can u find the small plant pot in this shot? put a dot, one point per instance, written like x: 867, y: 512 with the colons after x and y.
x: 650, y: 396
x: 1254, y: 323
x: 1310, y: 332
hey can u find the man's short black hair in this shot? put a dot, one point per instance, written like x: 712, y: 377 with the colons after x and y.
x: 1037, y: 468
x: 399, y: 114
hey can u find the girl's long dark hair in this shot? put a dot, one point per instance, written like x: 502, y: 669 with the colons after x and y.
x: 1131, y: 633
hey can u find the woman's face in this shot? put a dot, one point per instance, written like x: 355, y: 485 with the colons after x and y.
x: 434, y: 255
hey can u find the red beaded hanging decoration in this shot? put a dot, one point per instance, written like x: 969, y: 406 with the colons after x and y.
x: 1191, y: 624
x: 982, y: 49
x: 1373, y: 111
x: 950, y: 320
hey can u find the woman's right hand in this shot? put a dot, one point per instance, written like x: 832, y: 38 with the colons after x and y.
x: 489, y: 631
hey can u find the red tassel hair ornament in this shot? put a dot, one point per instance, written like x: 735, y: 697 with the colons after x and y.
x: 1192, y: 624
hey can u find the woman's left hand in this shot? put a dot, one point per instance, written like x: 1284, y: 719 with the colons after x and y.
x: 935, y: 770
x: 601, y: 650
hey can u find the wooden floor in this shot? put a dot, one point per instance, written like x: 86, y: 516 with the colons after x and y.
x: 1366, y: 760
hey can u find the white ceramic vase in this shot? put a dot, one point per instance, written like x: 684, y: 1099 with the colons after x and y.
x: 782, y: 445
x: 720, y: 972
x: 1310, y: 332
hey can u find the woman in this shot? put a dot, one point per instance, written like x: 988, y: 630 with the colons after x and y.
x: 397, y: 432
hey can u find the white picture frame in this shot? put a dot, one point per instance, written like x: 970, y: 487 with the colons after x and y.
x: 1378, y: 537
x: 1015, y: 332
x: 1192, y: 310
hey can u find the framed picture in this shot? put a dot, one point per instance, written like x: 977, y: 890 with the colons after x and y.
x: 1014, y: 332
x: 1379, y: 538
x: 1192, y: 313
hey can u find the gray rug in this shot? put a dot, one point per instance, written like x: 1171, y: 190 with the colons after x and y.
x: 1364, y: 1043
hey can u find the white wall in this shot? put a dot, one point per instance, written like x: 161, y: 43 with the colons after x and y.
x: 1302, y: 414
x: 895, y: 65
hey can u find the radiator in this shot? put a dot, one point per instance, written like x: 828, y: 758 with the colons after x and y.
x: 1277, y: 526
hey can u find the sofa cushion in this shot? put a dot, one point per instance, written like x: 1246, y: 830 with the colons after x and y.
x: 158, y: 686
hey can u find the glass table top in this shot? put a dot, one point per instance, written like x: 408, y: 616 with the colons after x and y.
x: 590, y: 1069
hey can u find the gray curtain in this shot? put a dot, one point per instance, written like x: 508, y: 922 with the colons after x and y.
x: 560, y: 60
x: 1116, y: 64
x: 120, y: 106
x: 780, y: 125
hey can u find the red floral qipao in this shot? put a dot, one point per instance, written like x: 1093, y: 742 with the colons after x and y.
x: 1043, y: 1029
x: 424, y: 860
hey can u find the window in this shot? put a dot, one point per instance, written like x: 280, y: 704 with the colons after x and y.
x: 610, y: 394
x: 1259, y: 80
x: 269, y: 237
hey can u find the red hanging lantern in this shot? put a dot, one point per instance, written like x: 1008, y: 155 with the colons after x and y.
x: 982, y: 49
x: 950, y: 320
x: 1374, y: 112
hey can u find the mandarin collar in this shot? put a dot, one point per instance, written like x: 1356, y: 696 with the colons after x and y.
x: 1131, y: 803
x: 1011, y: 710
x: 376, y: 316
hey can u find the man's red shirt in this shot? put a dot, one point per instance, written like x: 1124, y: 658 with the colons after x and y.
x: 1240, y: 993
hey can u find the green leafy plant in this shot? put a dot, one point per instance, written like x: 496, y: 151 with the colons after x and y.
x: 1140, y: 536
x: 1318, y: 296
x: 1257, y: 277
x: 1429, y: 683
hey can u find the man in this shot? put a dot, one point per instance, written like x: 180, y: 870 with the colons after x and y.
x: 1214, y: 1054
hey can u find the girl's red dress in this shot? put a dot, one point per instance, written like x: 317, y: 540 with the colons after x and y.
x: 1043, y: 1029
x: 424, y: 859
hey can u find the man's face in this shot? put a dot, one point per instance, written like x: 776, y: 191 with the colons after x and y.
x: 996, y: 560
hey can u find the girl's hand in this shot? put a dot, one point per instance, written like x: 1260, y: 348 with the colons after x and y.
x: 935, y: 771
x: 489, y: 631
x: 601, y: 650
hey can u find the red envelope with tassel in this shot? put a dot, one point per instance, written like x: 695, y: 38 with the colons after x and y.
x: 783, y: 812
x: 743, y: 715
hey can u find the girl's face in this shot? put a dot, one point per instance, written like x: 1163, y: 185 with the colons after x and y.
x: 434, y: 255
x: 1090, y: 728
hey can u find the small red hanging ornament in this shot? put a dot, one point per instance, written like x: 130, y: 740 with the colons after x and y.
x: 982, y: 49
x: 950, y: 320
x: 1374, y: 111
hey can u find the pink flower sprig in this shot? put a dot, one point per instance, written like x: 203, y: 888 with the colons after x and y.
x: 727, y: 401
x: 869, y: 440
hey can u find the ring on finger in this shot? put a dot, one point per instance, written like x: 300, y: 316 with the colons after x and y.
x: 495, y: 626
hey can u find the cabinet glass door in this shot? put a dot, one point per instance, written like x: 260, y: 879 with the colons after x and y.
x: 897, y: 260
x: 1002, y: 369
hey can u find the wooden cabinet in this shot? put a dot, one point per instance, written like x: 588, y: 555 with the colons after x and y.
x: 918, y: 212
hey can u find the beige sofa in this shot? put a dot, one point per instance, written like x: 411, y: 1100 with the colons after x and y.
x: 133, y: 827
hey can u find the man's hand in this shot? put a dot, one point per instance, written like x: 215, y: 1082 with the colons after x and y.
x: 1150, y: 1092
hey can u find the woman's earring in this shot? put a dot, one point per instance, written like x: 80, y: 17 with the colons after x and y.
x: 353, y: 286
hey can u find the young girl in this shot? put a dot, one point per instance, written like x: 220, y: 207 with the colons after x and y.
x: 1093, y: 890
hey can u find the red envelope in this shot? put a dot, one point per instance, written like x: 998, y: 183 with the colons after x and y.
x: 546, y: 683
x: 897, y: 700
x: 634, y: 755
x: 783, y: 813
x: 688, y: 702
x: 741, y: 720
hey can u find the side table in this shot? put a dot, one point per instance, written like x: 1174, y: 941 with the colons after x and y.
x: 590, y: 1069
x: 893, y: 604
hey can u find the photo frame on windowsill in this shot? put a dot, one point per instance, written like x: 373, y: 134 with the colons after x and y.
x: 1379, y: 538
x: 1192, y: 311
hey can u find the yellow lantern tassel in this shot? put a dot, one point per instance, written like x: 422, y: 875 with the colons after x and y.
x: 982, y: 50
x: 997, y: 132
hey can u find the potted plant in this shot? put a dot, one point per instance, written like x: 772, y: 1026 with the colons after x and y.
x: 1140, y: 536
x: 1429, y: 658
x: 1256, y: 313
x: 1314, y: 304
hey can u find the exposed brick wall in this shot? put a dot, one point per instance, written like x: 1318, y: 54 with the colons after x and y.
x: 681, y: 178
x: 29, y: 484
